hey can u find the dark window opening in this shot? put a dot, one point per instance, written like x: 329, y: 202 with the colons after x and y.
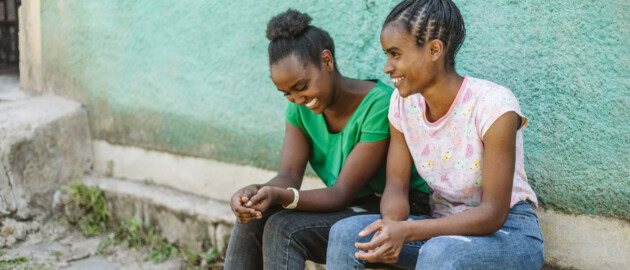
x: 9, y: 49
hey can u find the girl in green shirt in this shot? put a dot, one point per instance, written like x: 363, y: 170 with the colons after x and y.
x: 337, y: 124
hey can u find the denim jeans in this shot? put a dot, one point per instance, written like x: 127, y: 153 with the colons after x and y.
x: 284, y: 239
x: 517, y: 245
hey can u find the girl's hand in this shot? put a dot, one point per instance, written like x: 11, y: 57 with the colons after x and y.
x: 264, y: 198
x: 386, y: 244
x: 239, y: 199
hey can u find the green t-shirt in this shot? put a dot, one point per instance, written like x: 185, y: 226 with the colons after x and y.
x: 329, y: 151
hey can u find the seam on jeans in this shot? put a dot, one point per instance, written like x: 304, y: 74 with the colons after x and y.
x: 291, y: 236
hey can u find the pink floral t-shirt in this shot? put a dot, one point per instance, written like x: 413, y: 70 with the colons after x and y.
x: 448, y: 153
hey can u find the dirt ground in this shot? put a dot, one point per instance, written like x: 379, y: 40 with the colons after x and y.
x: 55, y: 244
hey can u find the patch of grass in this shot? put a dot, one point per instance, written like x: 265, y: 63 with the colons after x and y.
x: 131, y: 232
x: 13, y: 262
x: 97, y: 220
x: 195, y: 259
x: 192, y: 257
x: 105, y: 243
x: 56, y: 253
x: 211, y: 256
x: 92, y: 201
x: 148, y: 181
x: 161, y: 251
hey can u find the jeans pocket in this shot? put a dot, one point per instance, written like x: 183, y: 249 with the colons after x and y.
x: 522, y: 210
x: 523, y: 220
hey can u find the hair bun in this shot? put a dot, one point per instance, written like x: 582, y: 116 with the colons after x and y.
x: 287, y: 25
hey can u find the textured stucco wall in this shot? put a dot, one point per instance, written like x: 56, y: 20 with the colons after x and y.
x: 191, y: 77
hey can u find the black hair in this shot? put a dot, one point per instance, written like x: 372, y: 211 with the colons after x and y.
x: 428, y: 20
x: 290, y: 32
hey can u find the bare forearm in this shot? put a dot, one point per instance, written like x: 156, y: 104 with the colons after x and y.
x: 395, y: 204
x: 283, y: 181
x: 312, y: 200
x: 478, y: 221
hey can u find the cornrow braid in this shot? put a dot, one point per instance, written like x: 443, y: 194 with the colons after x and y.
x: 428, y: 20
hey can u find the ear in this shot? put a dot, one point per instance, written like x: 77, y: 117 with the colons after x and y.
x: 436, y: 50
x: 328, y: 62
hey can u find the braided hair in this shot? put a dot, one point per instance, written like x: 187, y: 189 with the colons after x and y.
x: 290, y: 32
x: 429, y: 20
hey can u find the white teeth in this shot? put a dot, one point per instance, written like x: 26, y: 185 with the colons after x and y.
x: 397, y: 80
x: 312, y: 103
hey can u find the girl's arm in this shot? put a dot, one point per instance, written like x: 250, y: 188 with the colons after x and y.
x: 295, y: 152
x: 363, y: 162
x: 395, y: 201
x: 498, y: 175
x: 487, y: 218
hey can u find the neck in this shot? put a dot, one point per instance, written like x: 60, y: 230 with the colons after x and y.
x: 343, y: 95
x: 441, y: 93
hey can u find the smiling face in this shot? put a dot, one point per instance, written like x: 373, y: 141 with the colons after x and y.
x: 411, y: 67
x: 304, y: 84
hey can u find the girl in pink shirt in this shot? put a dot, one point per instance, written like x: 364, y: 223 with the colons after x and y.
x: 464, y: 136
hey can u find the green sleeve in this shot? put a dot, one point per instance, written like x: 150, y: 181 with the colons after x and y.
x: 376, y: 126
x: 292, y: 115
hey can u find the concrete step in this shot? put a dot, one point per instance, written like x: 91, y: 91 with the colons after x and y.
x: 10, y: 88
x: 44, y: 144
x: 183, y: 218
x: 187, y: 219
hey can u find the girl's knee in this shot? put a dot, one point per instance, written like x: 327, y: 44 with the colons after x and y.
x: 246, y: 230
x: 347, y: 230
x: 282, y: 223
x: 447, y: 252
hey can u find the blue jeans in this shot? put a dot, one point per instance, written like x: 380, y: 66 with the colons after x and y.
x: 517, y: 245
x: 284, y: 239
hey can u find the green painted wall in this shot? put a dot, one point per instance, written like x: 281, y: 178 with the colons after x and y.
x: 191, y: 77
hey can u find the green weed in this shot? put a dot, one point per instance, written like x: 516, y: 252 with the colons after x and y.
x: 105, y: 243
x: 211, y: 256
x: 161, y: 251
x: 97, y: 220
x: 13, y: 262
x: 131, y: 232
x: 56, y: 253
x: 92, y: 202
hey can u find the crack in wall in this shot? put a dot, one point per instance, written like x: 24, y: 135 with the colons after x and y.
x: 10, y: 212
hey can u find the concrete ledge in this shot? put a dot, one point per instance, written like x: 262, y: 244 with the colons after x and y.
x: 182, y: 218
x: 204, y: 177
x: 585, y: 242
x: 44, y: 144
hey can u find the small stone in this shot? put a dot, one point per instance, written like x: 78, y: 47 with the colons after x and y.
x: 24, y: 213
x: 15, y: 228
x: 34, y: 226
x: 11, y: 241
x: 6, y: 231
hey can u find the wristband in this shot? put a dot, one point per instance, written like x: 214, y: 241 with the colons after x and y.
x: 296, y: 197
